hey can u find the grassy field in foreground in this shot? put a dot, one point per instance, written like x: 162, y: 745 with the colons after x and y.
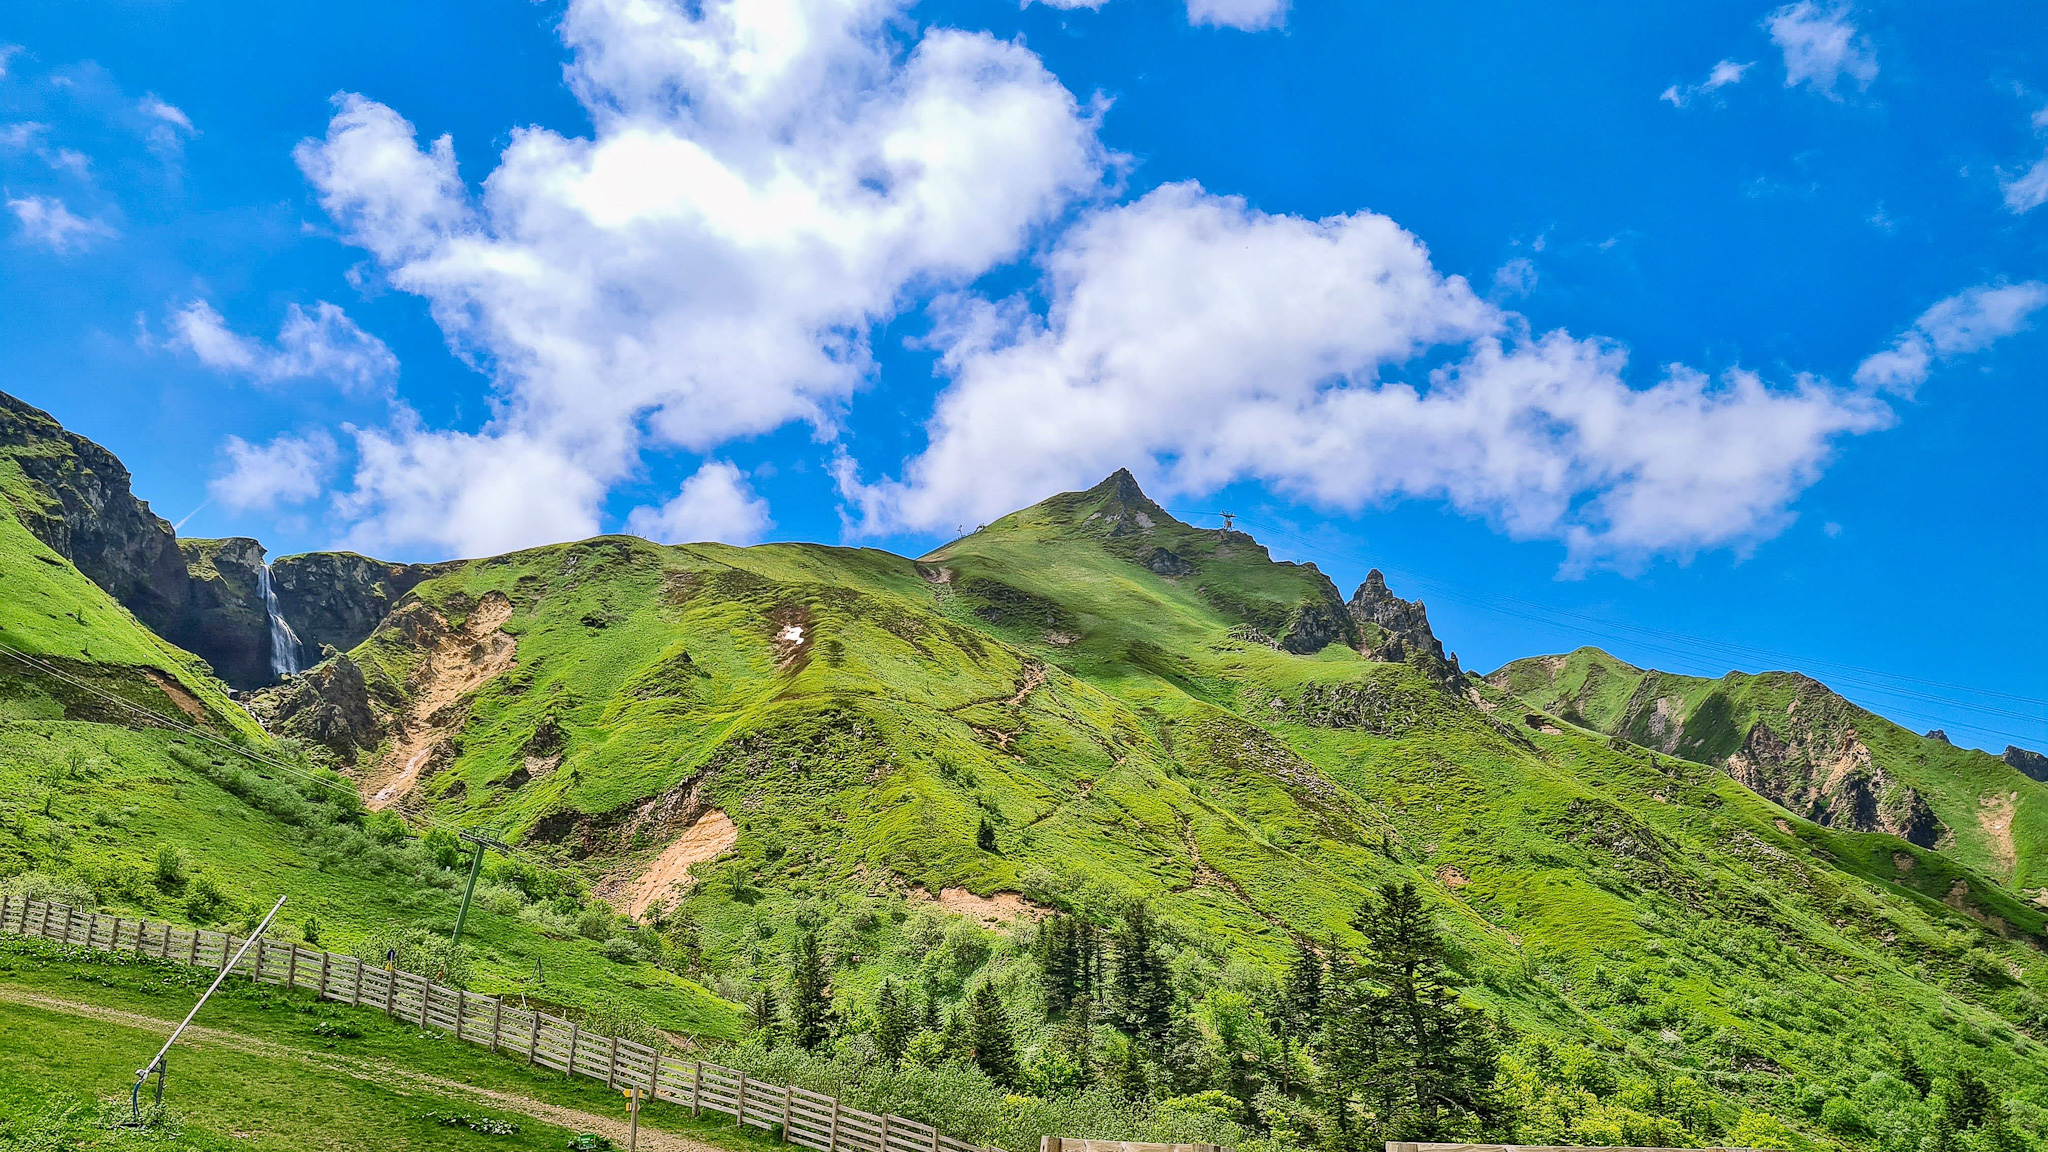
x: 274, y: 1069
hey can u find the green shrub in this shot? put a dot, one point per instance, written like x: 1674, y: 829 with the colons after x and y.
x: 622, y: 949
x: 596, y: 924
x: 169, y: 867
x: 44, y: 886
x: 204, y: 901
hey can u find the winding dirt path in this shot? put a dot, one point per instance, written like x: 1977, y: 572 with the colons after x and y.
x: 371, y: 1071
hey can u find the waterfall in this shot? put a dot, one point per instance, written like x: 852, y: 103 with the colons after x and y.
x: 284, y: 643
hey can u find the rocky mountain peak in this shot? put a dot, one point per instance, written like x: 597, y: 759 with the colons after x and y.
x: 1394, y: 629
x: 2032, y: 765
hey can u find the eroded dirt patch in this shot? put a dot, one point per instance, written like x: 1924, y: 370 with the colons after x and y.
x: 186, y: 702
x: 1994, y: 815
x: 1000, y: 908
x: 710, y: 836
x: 460, y: 661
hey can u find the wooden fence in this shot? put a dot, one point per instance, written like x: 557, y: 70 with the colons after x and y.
x: 806, y: 1118
x: 1397, y: 1146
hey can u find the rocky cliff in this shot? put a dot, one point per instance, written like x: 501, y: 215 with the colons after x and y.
x: 223, y: 618
x: 335, y: 599
x: 1397, y: 630
x: 2033, y: 765
x: 75, y: 497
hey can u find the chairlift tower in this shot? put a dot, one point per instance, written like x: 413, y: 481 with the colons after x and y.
x: 1229, y: 519
x: 478, y: 842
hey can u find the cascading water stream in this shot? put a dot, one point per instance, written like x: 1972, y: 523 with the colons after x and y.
x: 284, y: 643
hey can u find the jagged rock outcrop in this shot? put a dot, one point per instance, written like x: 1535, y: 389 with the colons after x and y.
x: 2032, y: 765
x: 1397, y: 630
x: 1938, y: 734
x: 328, y: 705
x: 224, y: 617
x: 336, y: 599
x: 78, y: 500
x: 1829, y: 778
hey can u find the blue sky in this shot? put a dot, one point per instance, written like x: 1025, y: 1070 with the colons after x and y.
x: 1714, y: 336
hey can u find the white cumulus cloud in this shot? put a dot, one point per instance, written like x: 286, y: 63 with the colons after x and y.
x: 766, y: 182
x: 321, y: 345
x: 46, y: 221
x: 1969, y: 321
x: 1722, y: 75
x: 1244, y: 15
x: 2028, y: 189
x: 260, y: 477
x: 1203, y: 342
x: 715, y: 503
x: 1821, y: 46
x: 166, y: 127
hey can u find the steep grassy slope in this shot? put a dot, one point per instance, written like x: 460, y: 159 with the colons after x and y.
x: 93, y: 788
x: 1792, y: 739
x: 1139, y: 709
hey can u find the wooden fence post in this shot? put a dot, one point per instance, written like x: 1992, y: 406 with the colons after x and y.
x: 391, y: 993
x: 654, y: 1076
x: 611, y: 1066
x: 740, y: 1109
x: 291, y: 971
x: 325, y: 956
x: 832, y: 1135
x: 697, y: 1090
x: 426, y: 994
x: 256, y: 972
x: 785, y: 1113
x: 571, y: 1069
x: 884, y: 1146
x: 461, y: 1007
x: 497, y: 1020
x: 533, y: 1041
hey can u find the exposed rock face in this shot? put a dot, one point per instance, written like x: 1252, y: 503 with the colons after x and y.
x: 224, y: 619
x: 1317, y: 624
x: 1397, y: 630
x: 2033, y: 765
x: 1938, y: 734
x: 329, y: 706
x: 337, y: 598
x: 80, y: 504
x: 1829, y: 778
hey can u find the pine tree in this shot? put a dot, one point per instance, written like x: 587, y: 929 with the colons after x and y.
x: 894, y: 1023
x: 1144, y: 989
x: 1185, y: 1067
x: 995, y: 1048
x: 766, y: 1019
x: 985, y: 837
x: 1056, y: 962
x: 1126, y: 1070
x: 1911, y: 1071
x: 1076, y: 1037
x: 1967, y: 1099
x: 1398, y: 1042
x: 1300, y: 1008
x: 810, y: 993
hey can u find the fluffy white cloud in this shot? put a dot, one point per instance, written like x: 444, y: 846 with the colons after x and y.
x: 716, y: 503
x: 7, y: 54
x: 45, y: 220
x: 1203, y: 342
x: 1821, y: 46
x: 1244, y: 15
x: 1722, y: 75
x: 166, y: 127
x: 1969, y: 321
x: 288, y: 470
x: 2028, y: 190
x: 767, y: 180
x: 322, y: 345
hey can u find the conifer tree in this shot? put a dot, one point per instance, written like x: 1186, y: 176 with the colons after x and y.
x: 766, y: 1019
x: 810, y: 993
x: 1913, y: 1073
x: 1076, y: 1036
x: 1967, y: 1099
x: 1398, y: 1042
x: 894, y: 1023
x: 985, y: 837
x: 1143, y: 987
x: 995, y: 1048
x: 1300, y: 1008
x: 1126, y: 1070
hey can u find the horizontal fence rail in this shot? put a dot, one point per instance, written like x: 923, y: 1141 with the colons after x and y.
x: 805, y: 1118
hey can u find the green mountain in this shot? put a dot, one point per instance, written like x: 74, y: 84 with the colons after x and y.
x: 943, y: 768
x: 1790, y: 739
